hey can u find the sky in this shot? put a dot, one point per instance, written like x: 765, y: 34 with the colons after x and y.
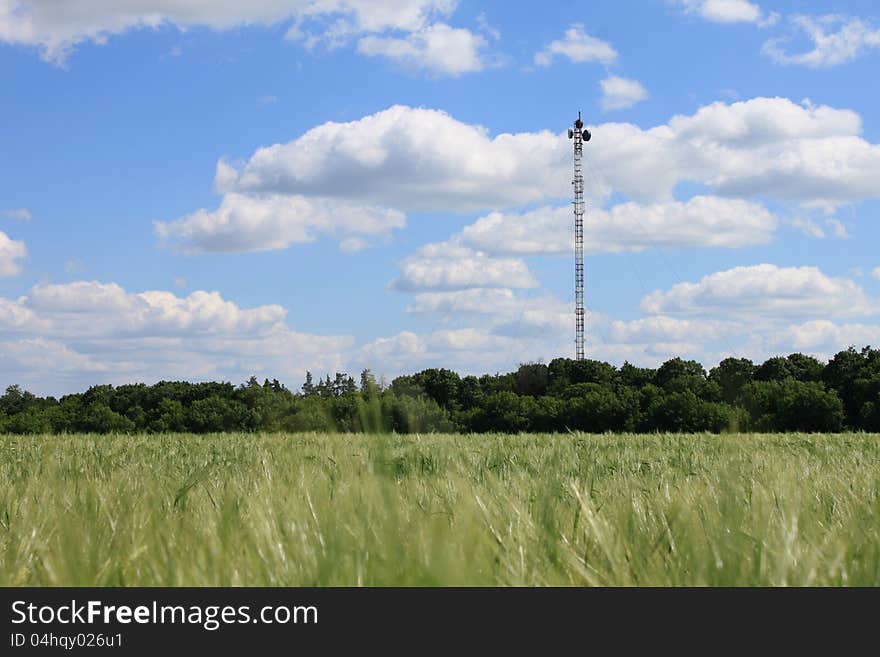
x: 210, y: 191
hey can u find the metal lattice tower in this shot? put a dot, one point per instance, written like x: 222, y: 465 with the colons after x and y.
x: 579, y: 135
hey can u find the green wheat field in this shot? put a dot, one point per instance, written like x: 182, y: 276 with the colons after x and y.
x: 440, y: 510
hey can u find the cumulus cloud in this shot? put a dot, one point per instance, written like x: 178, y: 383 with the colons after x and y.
x: 78, y: 330
x: 505, y: 312
x: 764, y: 291
x: 410, y: 159
x: 703, y: 221
x: 761, y: 147
x: 16, y: 318
x: 245, y: 223
x: 415, y: 159
x: 40, y: 354
x: 728, y: 11
x: 826, y: 336
x: 836, y: 40
x: 621, y: 93
x: 58, y: 27
x: 745, y: 312
x: 667, y: 329
x: 394, y: 352
x: 450, y: 266
x: 438, y: 49
x: 476, y: 301
x: 11, y: 255
x: 577, y: 46
x: 93, y: 308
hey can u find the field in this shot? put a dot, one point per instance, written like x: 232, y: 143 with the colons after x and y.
x: 434, y: 510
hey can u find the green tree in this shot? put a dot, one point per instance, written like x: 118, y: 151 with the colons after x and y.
x: 15, y: 400
x: 532, y: 379
x: 805, y: 368
x: 98, y: 417
x: 502, y: 411
x: 676, y: 369
x: 216, y: 414
x: 685, y: 412
x: 308, y: 388
x: 792, y: 405
x: 773, y: 369
x: 732, y: 376
x: 168, y: 416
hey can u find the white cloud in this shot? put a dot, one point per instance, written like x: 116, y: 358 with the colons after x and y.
x: 450, y: 266
x: 425, y: 160
x: 438, y: 49
x: 245, y: 223
x: 761, y: 147
x: 808, y: 227
x: 394, y: 353
x: 486, y: 27
x: 836, y: 40
x: 353, y: 244
x: 74, y: 335
x: 410, y: 159
x: 812, y: 229
x: 11, y: 255
x: 876, y: 273
x: 745, y: 318
x: 577, y: 46
x: 542, y: 317
x: 17, y: 318
x: 58, y: 27
x: 42, y: 355
x: 503, y: 310
x: 669, y: 330
x: 768, y: 291
x: 838, y: 229
x: 621, y: 93
x: 728, y: 11
x: 92, y: 308
x: 476, y: 301
x: 827, y: 336
x: 703, y: 221
x: 744, y: 313
x: 764, y: 121
x: 23, y: 214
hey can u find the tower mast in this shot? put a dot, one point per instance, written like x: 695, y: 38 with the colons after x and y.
x: 579, y: 135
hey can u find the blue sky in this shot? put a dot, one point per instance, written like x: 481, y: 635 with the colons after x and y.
x: 209, y: 192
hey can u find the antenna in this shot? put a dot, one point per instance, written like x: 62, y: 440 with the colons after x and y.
x: 579, y: 135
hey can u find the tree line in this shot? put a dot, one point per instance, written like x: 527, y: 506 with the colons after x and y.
x: 793, y: 393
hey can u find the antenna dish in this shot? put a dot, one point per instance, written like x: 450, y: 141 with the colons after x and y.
x: 587, y: 135
x: 570, y: 133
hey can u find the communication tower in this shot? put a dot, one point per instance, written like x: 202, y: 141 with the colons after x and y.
x: 579, y: 135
